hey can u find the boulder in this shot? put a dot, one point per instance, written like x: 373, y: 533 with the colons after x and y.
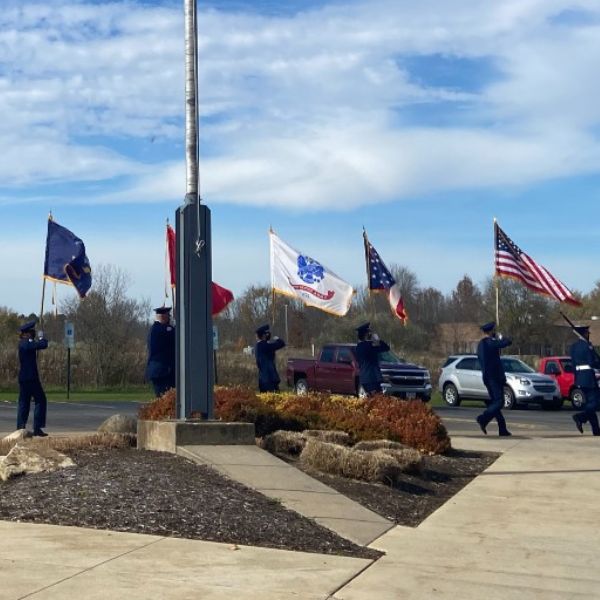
x: 17, y: 436
x: 118, y: 424
x: 27, y: 458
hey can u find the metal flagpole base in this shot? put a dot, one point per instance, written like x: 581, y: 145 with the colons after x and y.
x: 193, y: 313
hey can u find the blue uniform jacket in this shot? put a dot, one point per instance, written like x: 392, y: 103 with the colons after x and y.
x: 161, y: 351
x: 367, y: 355
x: 28, y: 370
x: 488, y: 353
x: 581, y: 355
x: 265, y: 360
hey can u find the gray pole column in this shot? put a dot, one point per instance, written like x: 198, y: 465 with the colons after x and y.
x: 193, y: 301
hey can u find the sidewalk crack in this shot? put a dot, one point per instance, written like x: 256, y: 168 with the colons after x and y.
x: 47, y: 587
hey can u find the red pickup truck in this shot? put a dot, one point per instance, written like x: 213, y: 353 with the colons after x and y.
x: 336, y: 371
x: 560, y: 369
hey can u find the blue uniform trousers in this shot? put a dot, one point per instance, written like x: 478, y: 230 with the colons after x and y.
x: 267, y: 386
x: 494, y: 405
x: 162, y: 384
x: 27, y: 391
x: 588, y: 414
x: 372, y: 388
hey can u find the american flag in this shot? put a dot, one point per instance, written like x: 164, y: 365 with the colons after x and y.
x: 511, y: 261
x: 380, y: 279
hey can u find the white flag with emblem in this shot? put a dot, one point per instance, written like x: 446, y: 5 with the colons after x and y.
x: 300, y: 276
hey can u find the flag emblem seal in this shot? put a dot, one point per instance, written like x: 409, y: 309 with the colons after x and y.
x: 309, y: 270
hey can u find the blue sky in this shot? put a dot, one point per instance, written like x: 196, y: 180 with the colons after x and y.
x: 419, y: 121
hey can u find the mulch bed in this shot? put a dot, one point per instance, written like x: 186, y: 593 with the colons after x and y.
x: 163, y: 494
x: 414, y: 498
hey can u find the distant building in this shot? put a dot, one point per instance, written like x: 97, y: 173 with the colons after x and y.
x: 459, y: 338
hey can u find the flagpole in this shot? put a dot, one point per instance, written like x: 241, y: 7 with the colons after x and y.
x: 367, y: 267
x: 496, y: 278
x: 167, y: 263
x: 272, y: 288
x: 42, y: 306
x: 44, y: 277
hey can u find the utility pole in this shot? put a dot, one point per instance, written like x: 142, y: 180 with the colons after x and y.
x: 193, y: 307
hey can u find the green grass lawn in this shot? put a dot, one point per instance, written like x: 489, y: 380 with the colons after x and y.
x: 436, y: 400
x: 135, y: 395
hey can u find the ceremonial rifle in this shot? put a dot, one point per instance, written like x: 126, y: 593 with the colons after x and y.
x: 581, y: 337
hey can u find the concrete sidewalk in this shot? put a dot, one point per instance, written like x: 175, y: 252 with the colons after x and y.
x: 524, y: 529
x: 47, y: 562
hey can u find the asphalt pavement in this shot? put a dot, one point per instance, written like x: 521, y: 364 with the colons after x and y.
x: 87, y: 416
x: 69, y: 416
x: 526, y: 421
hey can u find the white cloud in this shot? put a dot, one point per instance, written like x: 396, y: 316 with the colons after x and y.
x: 304, y: 111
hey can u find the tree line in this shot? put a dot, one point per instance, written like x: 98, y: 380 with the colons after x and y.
x: 111, y: 326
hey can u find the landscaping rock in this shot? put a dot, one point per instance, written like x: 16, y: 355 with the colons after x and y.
x: 17, y: 436
x: 118, y: 424
x: 27, y: 458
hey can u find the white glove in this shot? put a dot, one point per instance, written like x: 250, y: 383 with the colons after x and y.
x: 375, y: 337
x: 40, y: 334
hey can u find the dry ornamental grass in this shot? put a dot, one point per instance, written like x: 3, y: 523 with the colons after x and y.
x: 368, y: 465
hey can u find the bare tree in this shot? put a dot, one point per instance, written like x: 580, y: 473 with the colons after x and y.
x: 111, y: 327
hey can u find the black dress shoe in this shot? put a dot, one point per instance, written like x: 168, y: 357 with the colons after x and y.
x: 481, y: 425
x: 577, y: 423
x: 505, y: 433
x: 40, y: 433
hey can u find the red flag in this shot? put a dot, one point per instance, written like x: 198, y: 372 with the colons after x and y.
x: 221, y: 297
x: 171, y: 253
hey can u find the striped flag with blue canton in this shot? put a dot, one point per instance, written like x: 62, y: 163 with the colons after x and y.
x: 512, y: 262
x: 381, y: 279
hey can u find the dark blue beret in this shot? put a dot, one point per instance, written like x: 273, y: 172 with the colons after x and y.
x: 29, y: 326
x: 162, y: 310
x: 262, y: 330
x: 487, y: 327
x: 363, y: 328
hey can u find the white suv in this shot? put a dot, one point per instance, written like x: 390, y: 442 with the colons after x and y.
x: 461, y: 379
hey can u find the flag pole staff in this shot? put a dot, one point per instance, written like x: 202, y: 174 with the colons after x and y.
x: 368, y: 269
x: 42, y: 306
x: 272, y: 288
x: 44, y: 277
x: 495, y: 275
x: 167, y: 263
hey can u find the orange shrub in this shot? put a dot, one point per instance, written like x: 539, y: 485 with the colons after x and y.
x: 164, y: 407
x: 412, y: 423
x: 242, y: 404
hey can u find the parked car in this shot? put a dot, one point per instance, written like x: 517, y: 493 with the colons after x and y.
x: 560, y: 368
x: 336, y: 371
x: 461, y: 379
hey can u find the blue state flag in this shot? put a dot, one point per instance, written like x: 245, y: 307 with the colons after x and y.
x: 66, y: 261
